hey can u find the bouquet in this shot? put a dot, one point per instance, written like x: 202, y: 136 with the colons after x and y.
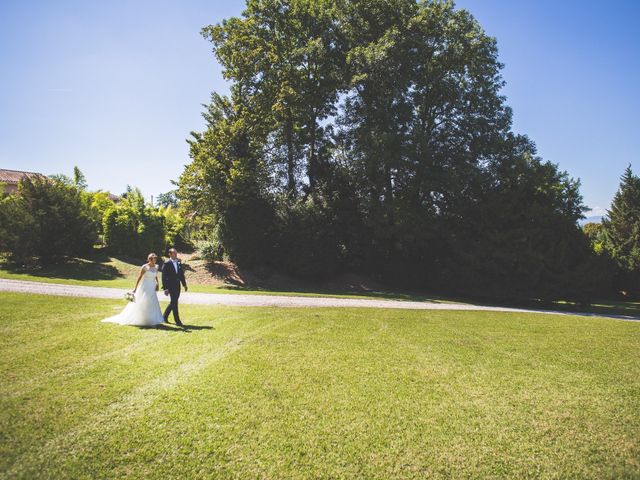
x: 130, y: 297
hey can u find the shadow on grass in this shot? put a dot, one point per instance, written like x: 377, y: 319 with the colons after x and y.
x: 603, y: 307
x: 73, y: 269
x: 175, y: 328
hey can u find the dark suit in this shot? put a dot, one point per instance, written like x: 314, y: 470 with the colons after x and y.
x: 171, y: 281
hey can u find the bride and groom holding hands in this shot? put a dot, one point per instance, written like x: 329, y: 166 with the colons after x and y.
x: 144, y: 309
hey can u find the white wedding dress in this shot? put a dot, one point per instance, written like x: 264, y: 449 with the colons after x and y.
x: 145, y: 311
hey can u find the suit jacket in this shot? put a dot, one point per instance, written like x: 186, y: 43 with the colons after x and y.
x: 171, y: 279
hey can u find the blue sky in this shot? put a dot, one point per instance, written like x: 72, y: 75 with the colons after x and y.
x: 115, y: 87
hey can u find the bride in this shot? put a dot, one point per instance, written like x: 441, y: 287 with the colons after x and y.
x: 145, y: 309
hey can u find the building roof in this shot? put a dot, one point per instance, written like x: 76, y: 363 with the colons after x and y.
x: 13, y: 177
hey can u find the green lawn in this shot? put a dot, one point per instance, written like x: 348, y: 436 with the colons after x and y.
x: 317, y: 393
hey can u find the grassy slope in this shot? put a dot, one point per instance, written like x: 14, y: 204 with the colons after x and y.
x: 290, y: 393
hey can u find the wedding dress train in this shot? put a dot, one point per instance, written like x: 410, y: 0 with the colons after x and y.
x: 145, y: 310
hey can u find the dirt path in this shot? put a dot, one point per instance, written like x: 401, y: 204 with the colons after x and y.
x: 242, y: 300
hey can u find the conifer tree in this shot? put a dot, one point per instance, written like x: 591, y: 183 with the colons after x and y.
x: 622, y: 230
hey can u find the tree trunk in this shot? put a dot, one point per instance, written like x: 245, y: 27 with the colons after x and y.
x: 291, y: 178
x: 312, y: 171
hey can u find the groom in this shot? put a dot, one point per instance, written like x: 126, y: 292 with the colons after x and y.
x: 172, y: 277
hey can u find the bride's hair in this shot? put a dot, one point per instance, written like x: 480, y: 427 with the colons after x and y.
x: 151, y: 255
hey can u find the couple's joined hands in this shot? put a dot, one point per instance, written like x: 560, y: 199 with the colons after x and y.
x: 166, y: 292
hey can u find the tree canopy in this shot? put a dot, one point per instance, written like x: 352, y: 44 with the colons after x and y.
x: 371, y: 135
x: 622, y: 232
x: 48, y: 219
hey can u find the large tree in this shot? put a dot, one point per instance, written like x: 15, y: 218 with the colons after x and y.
x: 285, y: 59
x: 227, y: 184
x: 422, y: 115
x: 372, y: 134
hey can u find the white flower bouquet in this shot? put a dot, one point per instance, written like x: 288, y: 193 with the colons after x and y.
x: 130, y: 297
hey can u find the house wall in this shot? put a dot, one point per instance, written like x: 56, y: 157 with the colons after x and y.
x: 8, y: 188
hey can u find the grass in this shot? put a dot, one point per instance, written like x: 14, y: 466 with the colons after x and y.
x: 315, y: 393
x: 100, y: 272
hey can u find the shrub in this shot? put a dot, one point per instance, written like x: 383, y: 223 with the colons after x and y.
x: 46, y: 219
x: 175, y: 228
x: 100, y: 203
x: 209, y: 250
x: 120, y: 228
x: 306, y: 238
x: 134, y: 232
x: 245, y: 231
x: 151, y: 232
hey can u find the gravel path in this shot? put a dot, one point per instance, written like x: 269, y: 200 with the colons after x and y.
x: 242, y: 300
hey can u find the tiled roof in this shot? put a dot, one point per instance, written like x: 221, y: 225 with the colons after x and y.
x: 13, y: 177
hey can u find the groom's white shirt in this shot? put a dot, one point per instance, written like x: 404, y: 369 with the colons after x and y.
x: 175, y: 264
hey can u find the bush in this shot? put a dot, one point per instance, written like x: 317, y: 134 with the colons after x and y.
x: 100, y: 203
x: 306, y: 238
x: 209, y: 250
x: 245, y: 231
x: 120, y: 228
x: 152, y: 233
x: 134, y: 232
x: 46, y: 219
x: 175, y: 228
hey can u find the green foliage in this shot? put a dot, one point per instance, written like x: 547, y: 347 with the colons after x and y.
x: 209, y: 250
x: 168, y: 199
x: 597, y: 237
x: 175, y: 227
x: 372, y: 135
x: 79, y: 180
x: 16, y: 221
x: 593, y: 231
x: 63, y: 179
x: 622, y: 232
x: 286, y: 83
x: 134, y: 199
x: 306, y: 244
x: 522, y: 240
x: 47, y: 219
x: 133, y: 229
x: 244, y: 230
x: 226, y: 184
x: 99, y: 202
x: 120, y: 228
x: 152, y: 233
